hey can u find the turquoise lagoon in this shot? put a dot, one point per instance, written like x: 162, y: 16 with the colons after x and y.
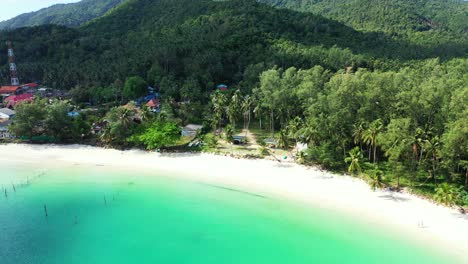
x: 100, y: 215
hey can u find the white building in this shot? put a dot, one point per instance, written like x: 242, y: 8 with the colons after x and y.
x: 6, y: 113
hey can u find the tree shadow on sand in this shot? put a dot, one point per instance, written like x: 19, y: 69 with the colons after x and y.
x: 394, y: 198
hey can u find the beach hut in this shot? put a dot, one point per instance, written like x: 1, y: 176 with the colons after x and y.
x: 191, y: 130
x: 154, y: 105
x: 7, y: 113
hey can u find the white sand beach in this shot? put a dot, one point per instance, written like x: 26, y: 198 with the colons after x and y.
x: 443, y: 227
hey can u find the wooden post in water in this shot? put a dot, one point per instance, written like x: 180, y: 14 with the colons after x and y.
x: 45, y: 210
x: 14, y: 188
x: 6, y: 193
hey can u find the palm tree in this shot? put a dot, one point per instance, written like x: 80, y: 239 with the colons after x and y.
x: 247, y: 104
x: 229, y: 132
x: 376, y: 179
x: 234, y: 107
x: 358, y: 131
x: 432, y: 147
x: 146, y: 114
x: 370, y: 136
x: 283, y: 140
x: 218, y: 101
x: 301, y: 157
x: 445, y: 193
x: 355, y: 156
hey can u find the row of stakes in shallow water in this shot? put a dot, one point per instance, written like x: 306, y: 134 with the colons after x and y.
x: 46, y: 212
x: 23, y: 184
x: 28, y: 182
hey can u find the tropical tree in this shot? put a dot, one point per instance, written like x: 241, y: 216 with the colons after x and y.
x: 57, y: 122
x: 432, y: 147
x: 158, y: 135
x: 370, y: 136
x: 354, y: 158
x: 29, y: 119
x: 376, y: 179
x: 234, y: 108
x: 247, y: 104
x: 218, y: 101
x: 358, y: 132
x: 134, y: 87
x: 446, y: 194
x: 283, y: 140
x: 229, y: 133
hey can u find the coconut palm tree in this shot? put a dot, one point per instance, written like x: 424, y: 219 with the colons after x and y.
x: 370, y: 136
x: 247, y: 104
x: 301, y: 157
x: 358, y: 131
x: 283, y: 140
x: 445, y: 193
x: 376, y: 179
x: 218, y: 100
x: 432, y: 147
x: 229, y: 132
x: 355, y: 156
x: 234, y: 108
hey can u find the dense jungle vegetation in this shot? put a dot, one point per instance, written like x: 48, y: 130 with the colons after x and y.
x: 379, y: 91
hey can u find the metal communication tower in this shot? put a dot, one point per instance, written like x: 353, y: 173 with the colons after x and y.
x: 11, y: 61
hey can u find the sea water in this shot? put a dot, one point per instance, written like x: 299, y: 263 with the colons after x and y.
x: 93, y: 214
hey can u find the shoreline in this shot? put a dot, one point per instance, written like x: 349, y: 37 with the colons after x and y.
x: 443, y: 227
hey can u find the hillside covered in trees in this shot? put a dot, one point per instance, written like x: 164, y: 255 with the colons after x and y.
x: 376, y: 99
x: 71, y: 15
x: 388, y: 15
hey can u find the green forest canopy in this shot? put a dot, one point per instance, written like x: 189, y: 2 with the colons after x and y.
x: 72, y: 15
x: 395, y: 91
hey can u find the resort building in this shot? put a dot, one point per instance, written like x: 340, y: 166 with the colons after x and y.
x: 10, y: 90
x: 13, y: 100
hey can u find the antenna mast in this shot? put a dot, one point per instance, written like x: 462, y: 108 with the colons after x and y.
x: 11, y: 61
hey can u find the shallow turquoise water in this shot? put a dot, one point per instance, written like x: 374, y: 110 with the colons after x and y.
x: 97, y: 215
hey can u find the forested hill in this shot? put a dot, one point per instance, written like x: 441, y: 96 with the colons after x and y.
x: 372, y: 101
x: 388, y: 15
x: 71, y: 15
x: 202, y: 42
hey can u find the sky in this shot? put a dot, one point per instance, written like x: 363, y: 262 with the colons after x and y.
x: 12, y: 8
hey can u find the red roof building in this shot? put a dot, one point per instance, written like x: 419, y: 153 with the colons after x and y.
x: 11, y: 101
x: 153, y: 103
x: 9, y: 89
x: 30, y: 85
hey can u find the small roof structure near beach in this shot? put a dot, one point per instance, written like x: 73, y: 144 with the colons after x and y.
x: 7, y: 113
x: 153, y: 103
x: 191, y: 130
x: 222, y: 87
